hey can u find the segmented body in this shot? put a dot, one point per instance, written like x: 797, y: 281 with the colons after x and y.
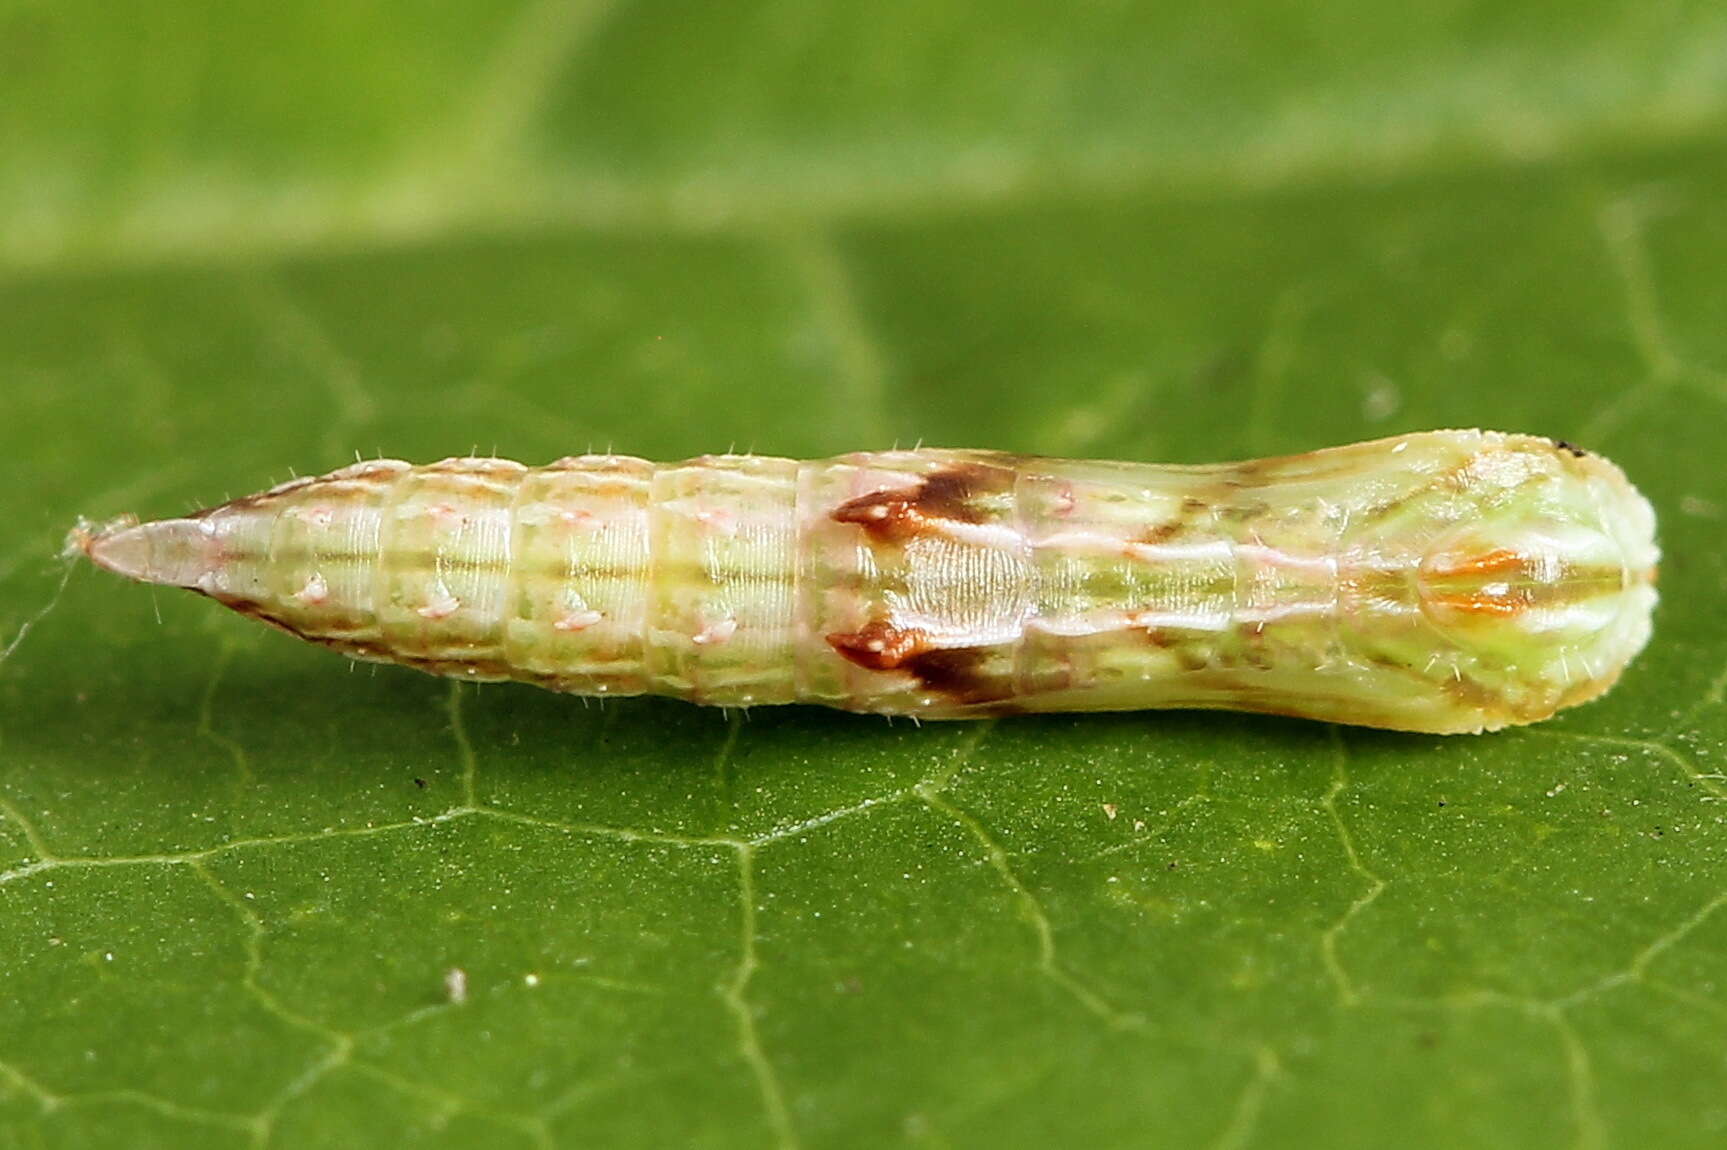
x: 1444, y: 581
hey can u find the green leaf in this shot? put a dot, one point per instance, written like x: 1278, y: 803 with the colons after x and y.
x: 250, y: 896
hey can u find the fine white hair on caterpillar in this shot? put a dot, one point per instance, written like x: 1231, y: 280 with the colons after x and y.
x: 1444, y: 581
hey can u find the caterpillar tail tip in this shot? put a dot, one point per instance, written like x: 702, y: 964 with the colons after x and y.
x: 171, y: 552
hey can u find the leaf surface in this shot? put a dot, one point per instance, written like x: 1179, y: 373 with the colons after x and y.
x: 249, y: 896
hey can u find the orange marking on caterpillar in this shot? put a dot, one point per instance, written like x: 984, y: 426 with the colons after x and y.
x: 1500, y: 561
x: 1481, y: 603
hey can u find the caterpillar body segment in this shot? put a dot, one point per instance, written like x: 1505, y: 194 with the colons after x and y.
x: 1442, y: 581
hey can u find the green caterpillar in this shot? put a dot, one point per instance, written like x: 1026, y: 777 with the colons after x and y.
x: 1445, y: 581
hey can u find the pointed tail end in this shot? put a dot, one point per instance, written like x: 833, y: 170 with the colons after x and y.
x: 172, y: 552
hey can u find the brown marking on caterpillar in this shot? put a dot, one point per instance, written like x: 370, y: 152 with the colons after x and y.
x: 354, y: 480
x: 488, y: 669
x: 314, y: 593
x: 1160, y: 533
x: 950, y: 494
x: 1179, y: 648
x: 880, y: 645
x: 956, y: 672
x: 952, y: 672
x: 252, y: 609
x: 1478, y: 696
x: 1249, y: 649
x: 1239, y: 509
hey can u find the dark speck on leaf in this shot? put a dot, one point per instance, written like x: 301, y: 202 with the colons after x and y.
x: 421, y: 783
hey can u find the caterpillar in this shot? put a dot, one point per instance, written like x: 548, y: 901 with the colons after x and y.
x: 1446, y: 581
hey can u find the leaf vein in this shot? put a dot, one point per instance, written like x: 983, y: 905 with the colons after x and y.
x: 1347, y: 992
x: 1032, y: 910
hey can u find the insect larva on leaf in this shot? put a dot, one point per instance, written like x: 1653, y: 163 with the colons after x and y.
x: 1444, y: 581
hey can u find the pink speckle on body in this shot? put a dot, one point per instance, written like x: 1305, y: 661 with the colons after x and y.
x: 572, y: 621
x: 315, y: 593
x: 719, y: 522
x: 440, y: 607
x: 579, y: 520
x: 715, y: 633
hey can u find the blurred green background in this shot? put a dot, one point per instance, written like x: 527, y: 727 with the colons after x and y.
x: 237, y: 880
